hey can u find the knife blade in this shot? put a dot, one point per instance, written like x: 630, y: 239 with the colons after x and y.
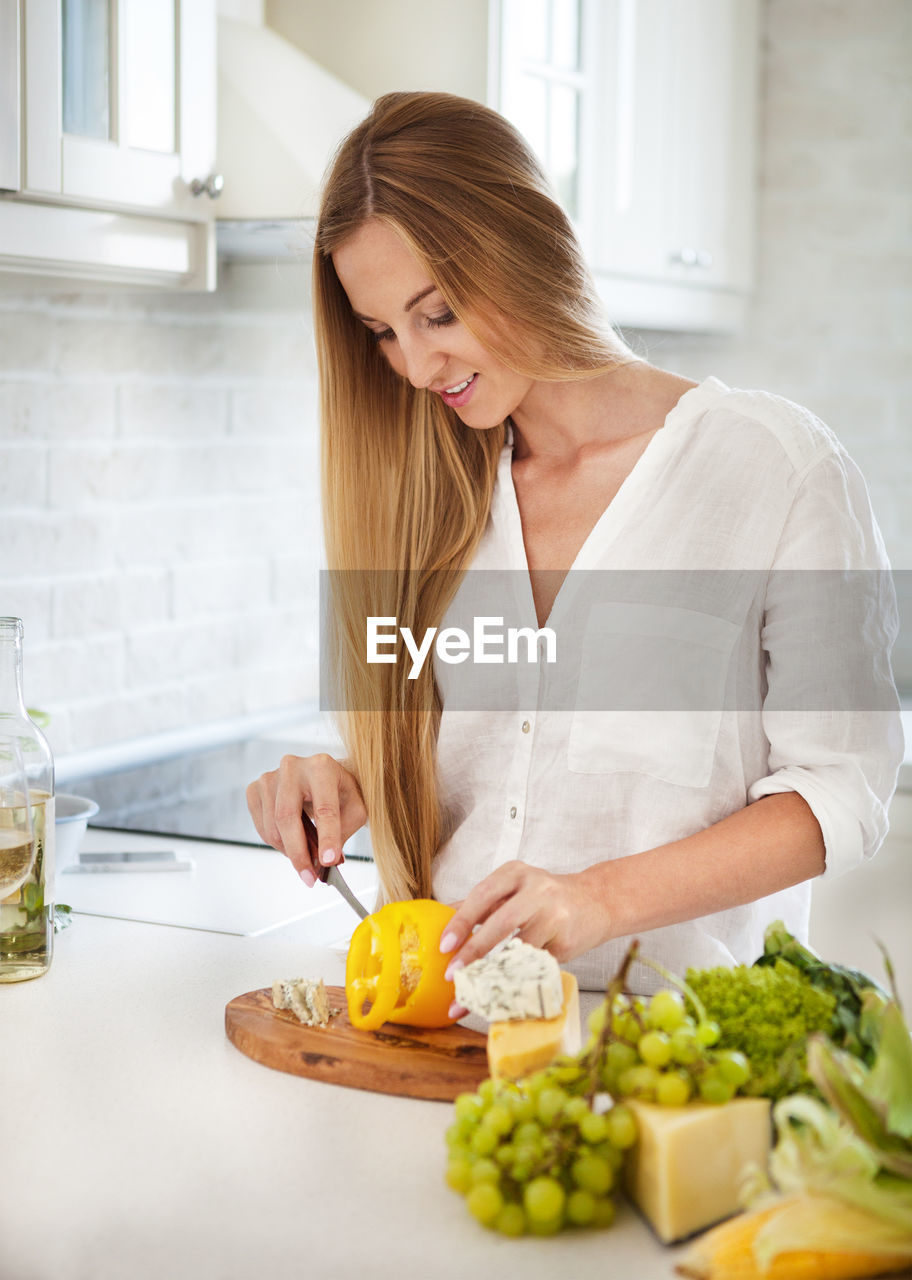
x: 330, y: 875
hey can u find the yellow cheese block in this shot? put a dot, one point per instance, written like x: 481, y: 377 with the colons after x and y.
x: 519, y: 1047
x: 685, y: 1169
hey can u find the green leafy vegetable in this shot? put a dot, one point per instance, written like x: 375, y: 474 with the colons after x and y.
x: 859, y: 999
x: 889, y: 1082
x: 841, y: 1079
x: 33, y: 901
x: 63, y: 917
x: 875, y: 1101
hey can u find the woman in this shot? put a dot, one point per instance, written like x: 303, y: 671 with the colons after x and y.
x: 479, y: 413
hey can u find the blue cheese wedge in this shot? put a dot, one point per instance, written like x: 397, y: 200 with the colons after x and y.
x: 515, y: 981
x: 305, y: 997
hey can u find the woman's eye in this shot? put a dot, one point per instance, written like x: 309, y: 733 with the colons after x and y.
x: 432, y: 322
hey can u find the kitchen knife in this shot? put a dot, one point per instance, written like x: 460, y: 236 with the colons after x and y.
x: 330, y: 875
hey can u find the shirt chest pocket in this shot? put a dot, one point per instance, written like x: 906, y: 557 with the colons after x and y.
x: 651, y: 691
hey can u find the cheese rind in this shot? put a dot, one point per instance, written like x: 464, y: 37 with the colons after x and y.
x: 685, y: 1169
x: 305, y: 997
x: 515, y: 981
x: 517, y: 1048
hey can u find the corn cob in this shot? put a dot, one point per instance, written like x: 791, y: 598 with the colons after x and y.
x: 728, y: 1253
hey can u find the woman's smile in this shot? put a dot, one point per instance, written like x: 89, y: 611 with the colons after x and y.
x: 459, y: 395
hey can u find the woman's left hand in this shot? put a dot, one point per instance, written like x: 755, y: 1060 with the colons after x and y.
x: 564, y: 914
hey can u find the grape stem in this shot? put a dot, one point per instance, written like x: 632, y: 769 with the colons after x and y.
x: 617, y: 986
x: 681, y: 985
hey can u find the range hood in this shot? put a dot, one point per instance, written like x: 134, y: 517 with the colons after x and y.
x: 280, y: 118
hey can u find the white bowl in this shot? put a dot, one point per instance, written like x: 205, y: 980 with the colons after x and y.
x: 71, y: 817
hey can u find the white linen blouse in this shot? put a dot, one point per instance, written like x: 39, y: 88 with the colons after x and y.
x: 742, y: 492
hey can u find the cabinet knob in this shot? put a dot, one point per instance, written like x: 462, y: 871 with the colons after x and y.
x: 211, y: 186
x: 690, y: 257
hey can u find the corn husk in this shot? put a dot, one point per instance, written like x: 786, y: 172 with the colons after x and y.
x: 812, y: 1237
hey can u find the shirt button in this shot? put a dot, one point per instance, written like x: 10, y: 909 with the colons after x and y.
x: 513, y: 811
x: 526, y: 726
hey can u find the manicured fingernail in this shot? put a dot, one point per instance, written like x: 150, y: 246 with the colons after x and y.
x: 328, y: 856
x: 456, y: 1010
x: 448, y: 941
x: 308, y: 877
x: 452, y: 967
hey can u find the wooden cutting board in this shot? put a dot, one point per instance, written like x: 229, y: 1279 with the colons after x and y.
x: 413, y: 1062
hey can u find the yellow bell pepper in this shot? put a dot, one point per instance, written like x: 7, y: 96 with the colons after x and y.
x: 394, y: 962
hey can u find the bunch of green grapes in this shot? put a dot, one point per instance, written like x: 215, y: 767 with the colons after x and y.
x: 535, y: 1156
x: 656, y: 1051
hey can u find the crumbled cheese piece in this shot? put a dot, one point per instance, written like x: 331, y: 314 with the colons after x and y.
x: 281, y: 992
x: 305, y: 997
x: 515, y: 981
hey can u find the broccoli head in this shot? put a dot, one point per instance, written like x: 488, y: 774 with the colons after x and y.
x: 768, y: 1013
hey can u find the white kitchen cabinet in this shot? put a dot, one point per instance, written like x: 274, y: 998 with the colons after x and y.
x: 663, y: 190
x: 115, y: 175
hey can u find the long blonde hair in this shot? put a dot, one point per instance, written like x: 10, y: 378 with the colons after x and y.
x: 406, y: 485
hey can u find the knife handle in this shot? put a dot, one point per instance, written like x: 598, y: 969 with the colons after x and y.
x: 313, y: 847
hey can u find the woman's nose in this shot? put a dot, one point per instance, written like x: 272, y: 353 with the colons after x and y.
x: 423, y: 363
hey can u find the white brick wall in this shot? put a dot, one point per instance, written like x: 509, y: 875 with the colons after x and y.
x: 159, y: 522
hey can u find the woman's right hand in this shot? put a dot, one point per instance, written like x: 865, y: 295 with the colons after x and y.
x: 322, y: 788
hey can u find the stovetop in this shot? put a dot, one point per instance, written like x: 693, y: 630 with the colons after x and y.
x: 200, y: 794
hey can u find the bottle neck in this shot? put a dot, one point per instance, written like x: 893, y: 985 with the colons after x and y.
x: 11, y: 699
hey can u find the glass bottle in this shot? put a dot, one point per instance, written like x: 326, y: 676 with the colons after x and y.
x: 27, y: 916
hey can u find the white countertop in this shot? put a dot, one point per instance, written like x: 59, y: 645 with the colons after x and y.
x: 231, y: 888
x: 138, y: 1142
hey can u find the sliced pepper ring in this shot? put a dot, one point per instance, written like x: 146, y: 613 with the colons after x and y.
x: 372, y: 971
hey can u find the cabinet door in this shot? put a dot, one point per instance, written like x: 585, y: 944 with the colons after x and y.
x: 675, y: 171
x: 711, y: 130
x: 663, y: 189
x: 632, y: 155
x: 120, y: 100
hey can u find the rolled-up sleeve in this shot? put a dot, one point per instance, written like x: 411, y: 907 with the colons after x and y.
x: 831, y: 711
